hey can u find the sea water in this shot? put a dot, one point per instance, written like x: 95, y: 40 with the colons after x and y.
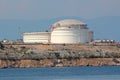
x: 62, y: 73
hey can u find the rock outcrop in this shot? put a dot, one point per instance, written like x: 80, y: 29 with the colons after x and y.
x: 58, y: 63
x: 46, y: 55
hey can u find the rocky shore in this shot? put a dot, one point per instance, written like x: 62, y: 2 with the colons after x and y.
x: 59, y: 63
x: 39, y: 55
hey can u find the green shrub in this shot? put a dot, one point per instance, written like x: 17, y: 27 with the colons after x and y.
x: 57, y: 54
x: 1, y: 46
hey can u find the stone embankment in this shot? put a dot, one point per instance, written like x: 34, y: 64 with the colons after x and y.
x: 39, y: 55
x: 59, y: 62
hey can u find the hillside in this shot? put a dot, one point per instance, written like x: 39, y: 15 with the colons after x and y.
x: 41, y: 51
x: 44, y: 55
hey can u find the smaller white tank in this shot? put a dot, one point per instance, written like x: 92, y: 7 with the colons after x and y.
x: 36, y: 37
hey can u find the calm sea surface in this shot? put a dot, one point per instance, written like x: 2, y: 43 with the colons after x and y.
x: 62, y: 73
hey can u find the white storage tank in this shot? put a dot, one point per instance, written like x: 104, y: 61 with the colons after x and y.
x: 36, y: 37
x: 90, y: 36
x: 69, y: 31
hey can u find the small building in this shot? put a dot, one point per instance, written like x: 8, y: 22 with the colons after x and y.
x: 5, y: 41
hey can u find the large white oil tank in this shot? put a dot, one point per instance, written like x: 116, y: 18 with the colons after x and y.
x: 69, y: 31
x: 36, y: 37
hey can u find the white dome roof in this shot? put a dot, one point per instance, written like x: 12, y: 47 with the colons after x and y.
x: 68, y: 22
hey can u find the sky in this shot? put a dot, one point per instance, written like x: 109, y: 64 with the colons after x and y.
x: 35, y: 10
x: 44, y: 9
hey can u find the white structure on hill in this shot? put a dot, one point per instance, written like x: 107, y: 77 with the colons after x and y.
x: 36, y: 37
x: 67, y: 31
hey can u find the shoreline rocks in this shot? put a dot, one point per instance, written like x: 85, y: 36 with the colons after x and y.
x: 58, y: 63
x: 39, y: 55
